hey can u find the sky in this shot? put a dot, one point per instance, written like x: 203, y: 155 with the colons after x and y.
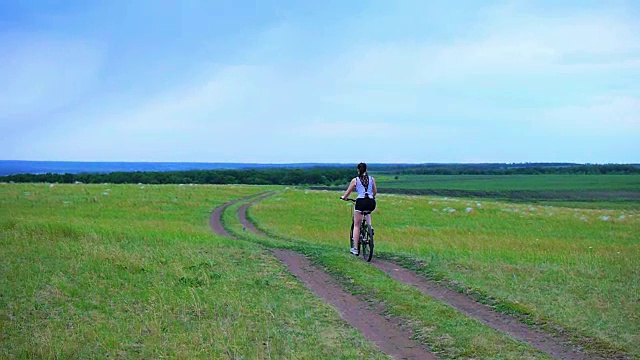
x: 284, y: 81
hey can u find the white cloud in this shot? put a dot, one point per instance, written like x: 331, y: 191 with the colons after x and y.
x: 398, y: 132
x: 531, y: 46
x: 192, y: 105
x: 202, y: 120
x: 349, y: 129
x: 41, y: 74
x: 603, y: 116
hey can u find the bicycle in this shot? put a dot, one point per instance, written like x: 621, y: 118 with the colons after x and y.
x: 365, y: 243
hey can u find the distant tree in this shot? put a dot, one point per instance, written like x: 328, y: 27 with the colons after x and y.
x: 336, y: 176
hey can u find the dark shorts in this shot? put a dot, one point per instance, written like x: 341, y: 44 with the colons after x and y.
x: 365, y: 204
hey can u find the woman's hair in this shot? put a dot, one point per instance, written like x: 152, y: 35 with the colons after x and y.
x: 362, y: 173
x: 362, y: 168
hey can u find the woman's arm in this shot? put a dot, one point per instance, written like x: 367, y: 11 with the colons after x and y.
x: 352, y: 186
x: 375, y: 188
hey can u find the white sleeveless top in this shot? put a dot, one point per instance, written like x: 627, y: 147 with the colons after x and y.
x: 361, y: 190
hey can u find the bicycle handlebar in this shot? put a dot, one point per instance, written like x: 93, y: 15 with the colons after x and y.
x: 348, y: 199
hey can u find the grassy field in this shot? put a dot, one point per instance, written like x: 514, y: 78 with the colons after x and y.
x: 447, y: 332
x: 573, y: 268
x: 104, y: 271
x: 133, y: 271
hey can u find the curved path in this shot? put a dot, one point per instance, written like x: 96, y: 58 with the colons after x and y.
x: 556, y: 345
x: 385, y: 332
x: 216, y: 215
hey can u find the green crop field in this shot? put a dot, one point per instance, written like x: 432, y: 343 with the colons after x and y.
x: 584, y: 191
x: 574, y: 268
x: 513, y: 182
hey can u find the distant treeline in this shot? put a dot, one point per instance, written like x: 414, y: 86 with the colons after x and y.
x: 317, y: 175
x: 517, y: 169
x: 307, y: 176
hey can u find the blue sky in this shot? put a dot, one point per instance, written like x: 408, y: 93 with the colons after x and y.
x: 320, y: 81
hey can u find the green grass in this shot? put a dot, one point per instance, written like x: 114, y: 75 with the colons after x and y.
x: 577, y: 191
x: 513, y: 182
x: 133, y: 271
x: 106, y: 271
x: 448, y: 333
x: 575, y: 268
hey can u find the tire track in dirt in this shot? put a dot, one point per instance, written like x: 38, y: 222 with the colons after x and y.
x: 216, y: 215
x: 387, y: 333
x: 555, y: 345
x: 242, y: 215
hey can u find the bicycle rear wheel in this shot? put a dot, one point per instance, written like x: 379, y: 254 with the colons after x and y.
x: 366, y: 242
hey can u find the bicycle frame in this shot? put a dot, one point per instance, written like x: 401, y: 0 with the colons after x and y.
x: 363, y: 225
x: 365, y: 240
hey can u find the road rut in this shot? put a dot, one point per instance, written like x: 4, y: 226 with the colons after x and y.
x: 387, y: 333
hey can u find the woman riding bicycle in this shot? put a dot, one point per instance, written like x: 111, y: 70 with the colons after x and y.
x: 365, y: 186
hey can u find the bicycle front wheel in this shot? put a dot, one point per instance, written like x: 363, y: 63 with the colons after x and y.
x: 366, y: 242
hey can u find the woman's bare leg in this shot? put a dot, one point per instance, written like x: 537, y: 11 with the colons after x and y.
x: 357, y: 220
